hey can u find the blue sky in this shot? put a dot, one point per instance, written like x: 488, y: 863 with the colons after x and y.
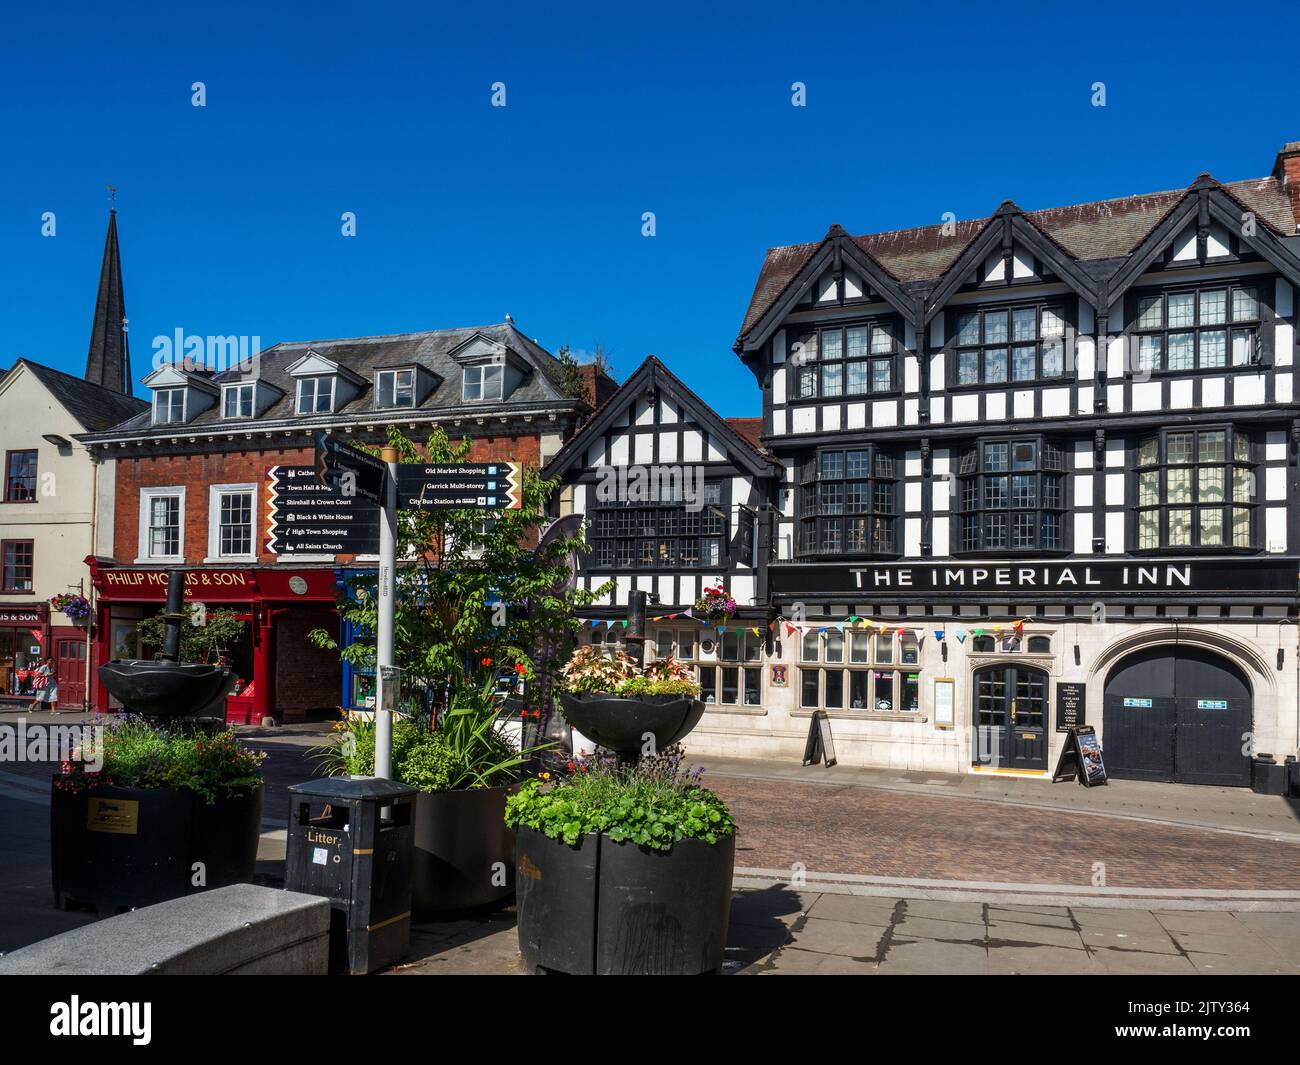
x: 229, y: 214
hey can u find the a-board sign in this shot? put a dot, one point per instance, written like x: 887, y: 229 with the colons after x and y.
x: 304, y: 517
x: 1081, y: 758
x: 1070, y: 705
x: 460, y: 486
x: 820, y: 745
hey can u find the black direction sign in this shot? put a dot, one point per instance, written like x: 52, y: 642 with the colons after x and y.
x: 306, y: 518
x: 347, y: 470
x: 460, y: 486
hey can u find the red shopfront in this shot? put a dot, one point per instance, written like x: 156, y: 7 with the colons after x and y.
x: 286, y: 676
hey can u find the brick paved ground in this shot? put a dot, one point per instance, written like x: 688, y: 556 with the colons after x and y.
x: 882, y: 833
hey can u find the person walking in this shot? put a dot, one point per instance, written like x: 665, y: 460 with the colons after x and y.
x: 47, y: 680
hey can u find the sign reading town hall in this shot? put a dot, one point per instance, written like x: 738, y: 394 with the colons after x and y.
x: 1027, y: 577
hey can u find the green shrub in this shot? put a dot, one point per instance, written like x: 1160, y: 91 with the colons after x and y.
x: 652, y: 805
x: 139, y: 754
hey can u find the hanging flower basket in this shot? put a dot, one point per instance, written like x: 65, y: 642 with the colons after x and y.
x: 76, y: 607
x: 716, y: 604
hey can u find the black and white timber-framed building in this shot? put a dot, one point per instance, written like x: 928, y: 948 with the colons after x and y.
x: 1047, y: 460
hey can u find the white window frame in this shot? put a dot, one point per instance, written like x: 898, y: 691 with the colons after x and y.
x: 147, y: 496
x: 315, y: 380
x: 159, y: 394
x: 394, y: 373
x: 215, y: 493
x: 240, y: 387
x: 479, y: 372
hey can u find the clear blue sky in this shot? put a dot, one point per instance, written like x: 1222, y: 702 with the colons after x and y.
x: 230, y: 214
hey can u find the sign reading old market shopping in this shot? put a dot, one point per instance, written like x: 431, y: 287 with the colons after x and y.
x: 460, y: 486
x: 304, y: 517
x: 1030, y: 577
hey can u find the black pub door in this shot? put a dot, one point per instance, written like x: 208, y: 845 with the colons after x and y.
x: 1179, y: 714
x: 1011, y: 717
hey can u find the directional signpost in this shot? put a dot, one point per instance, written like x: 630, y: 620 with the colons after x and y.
x: 304, y: 517
x: 460, y: 486
x: 347, y: 503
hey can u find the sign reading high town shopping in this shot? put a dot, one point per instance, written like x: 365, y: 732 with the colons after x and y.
x: 1029, y: 577
x: 460, y: 486
x: 1070, y: 703
x: 304, y: 517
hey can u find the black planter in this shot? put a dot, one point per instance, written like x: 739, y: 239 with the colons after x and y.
x: 123, y: 848
x: 607, y: 908
x: 620, y: 722
x: 464, y: 851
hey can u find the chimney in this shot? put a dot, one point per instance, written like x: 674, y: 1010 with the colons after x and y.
x: 1286, y: 169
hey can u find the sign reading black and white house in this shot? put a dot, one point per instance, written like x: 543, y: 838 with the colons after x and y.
x: 1029, y: 577
x: 306, y: 518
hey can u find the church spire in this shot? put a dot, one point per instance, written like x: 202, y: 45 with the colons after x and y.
x: 109, y: 360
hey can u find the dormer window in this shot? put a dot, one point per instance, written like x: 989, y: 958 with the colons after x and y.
x: 237, y: 400
x: 395, y: 388
x: 168, y: 406
x: 315, y: 395
x: 483, y: 382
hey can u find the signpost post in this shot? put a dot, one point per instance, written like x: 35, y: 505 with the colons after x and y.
x: 384, y: 699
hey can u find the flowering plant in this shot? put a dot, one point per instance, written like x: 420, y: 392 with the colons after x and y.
x: 594, y: 671
x: 73, y: 605
x: 716, y: 603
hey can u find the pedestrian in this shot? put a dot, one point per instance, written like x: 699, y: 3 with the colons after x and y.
x: 47, y: 686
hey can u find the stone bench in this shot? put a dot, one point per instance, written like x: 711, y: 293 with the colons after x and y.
x: 241, y: 929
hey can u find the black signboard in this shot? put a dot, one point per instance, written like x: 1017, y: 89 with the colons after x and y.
x: 349, y: 471
x: 459, y: 486
x: 1070, y: 705
x: 1153, y: 577
x: 306, y: 518
x: 1081, y: 758
x: 820, y: 745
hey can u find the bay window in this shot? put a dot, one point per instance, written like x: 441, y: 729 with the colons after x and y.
x: 1012, y: 496
x: 1195, y: 488
x: 848, y: 503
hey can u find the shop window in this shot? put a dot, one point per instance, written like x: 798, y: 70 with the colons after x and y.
x: 736, y: 679
x: 20, y: 476
x: 17, y: 556
x: 856, y: 670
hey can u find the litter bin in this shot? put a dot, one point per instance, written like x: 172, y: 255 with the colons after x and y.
x: 1293, y: 776
x: 1269, y: 778
x: 352, y: 841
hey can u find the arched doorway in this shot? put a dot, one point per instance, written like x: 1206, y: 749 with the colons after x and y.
x: 1177, y: 713
x: 1010, y: 714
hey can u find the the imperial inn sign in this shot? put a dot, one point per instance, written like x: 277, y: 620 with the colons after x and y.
x: 1034, y: 577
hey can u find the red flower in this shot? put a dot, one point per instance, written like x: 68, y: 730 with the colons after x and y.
x: 486, y: 662
x: 521, y: 669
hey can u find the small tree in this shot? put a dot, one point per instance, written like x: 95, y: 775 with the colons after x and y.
x: 199, y: 643
x: 475, y: 595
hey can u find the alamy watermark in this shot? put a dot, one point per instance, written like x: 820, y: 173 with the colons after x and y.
x: 23, y: 742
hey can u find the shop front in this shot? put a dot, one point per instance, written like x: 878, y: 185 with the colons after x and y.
x: 24, y: 639
x: 282, y: 673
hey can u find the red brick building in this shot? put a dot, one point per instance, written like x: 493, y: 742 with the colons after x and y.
x: 185, y: 483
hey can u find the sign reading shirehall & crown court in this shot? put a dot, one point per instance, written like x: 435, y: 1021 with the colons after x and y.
x: 1029, y: 577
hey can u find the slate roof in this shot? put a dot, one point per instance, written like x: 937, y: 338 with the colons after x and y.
x: 542, y: 388
x: 94, y: 406
x: 1101, y: 230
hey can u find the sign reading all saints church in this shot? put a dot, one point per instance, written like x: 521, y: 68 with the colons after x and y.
x: 1028, y: 576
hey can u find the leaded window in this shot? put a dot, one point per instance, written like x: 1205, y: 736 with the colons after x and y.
x: 1012, y: 496
x: 855, y: 669
x: 1195, y: 488
x: 1197, y: 329
x: 1006, y: 344
x: 660, y: 535
x: 848, y: 503
x: 838, y: 361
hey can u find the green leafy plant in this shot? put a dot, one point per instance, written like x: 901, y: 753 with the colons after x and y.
x: 138, y: 754
x: 653, y: 804
x: 199, y: 643
x: 592, y: 670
